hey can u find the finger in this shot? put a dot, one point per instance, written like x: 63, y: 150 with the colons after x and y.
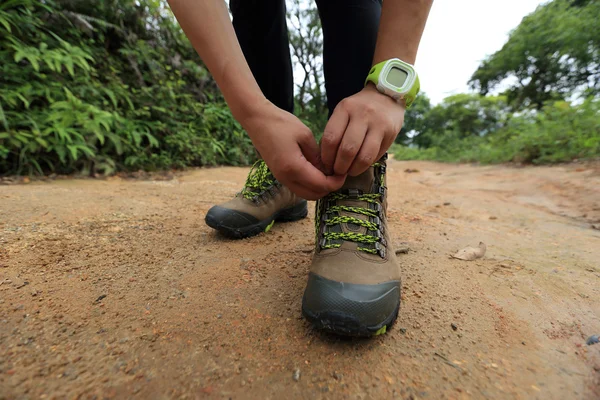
x: 312, y: 179
x: 303, y: 192
x: 310, y: 149
x: 350, y: 146
x: 368, y: 153
x: 315, y: 180
x: 385, y: 145
x: 332, y: 136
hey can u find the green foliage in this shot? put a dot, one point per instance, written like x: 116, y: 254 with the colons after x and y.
x: 553, y: 55
x: 464, y: 115
x: 306, y: 42
x: 96, y: 87
x: 554, y: 52
x: 560, y: 132
x: 99, y: 86
x: 415, y: 119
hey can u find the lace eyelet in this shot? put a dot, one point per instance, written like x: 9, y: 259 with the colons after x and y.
x: 380, y: 250
x: 322, y: 243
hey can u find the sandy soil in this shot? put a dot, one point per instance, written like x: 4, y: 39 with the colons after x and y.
x: 116, y: 289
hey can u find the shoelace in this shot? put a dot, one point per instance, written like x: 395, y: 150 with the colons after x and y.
x: 260, y: 179
x: 368, y: 239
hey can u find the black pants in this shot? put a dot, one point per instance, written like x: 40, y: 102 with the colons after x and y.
x: 349, y: 34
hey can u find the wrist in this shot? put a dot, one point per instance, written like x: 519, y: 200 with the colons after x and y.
x: 371, y: 88
x: 246, y: 109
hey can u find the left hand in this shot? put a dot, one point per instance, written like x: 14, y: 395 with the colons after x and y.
x: 360, y: 130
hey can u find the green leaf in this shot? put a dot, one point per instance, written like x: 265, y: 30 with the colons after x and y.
x: 3, y: 117
x: 153, y: 141
x: 73, y: 151
x: 112, y: 97
x: 5, y: 23
x: 42, y: 142
x: 69, y: 64
x: 100, y: 136
x: 86, y: 150
x: 24, y: 100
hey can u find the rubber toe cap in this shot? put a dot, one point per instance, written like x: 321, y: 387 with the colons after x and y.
x: 364, y: 306
x: 220, y: 217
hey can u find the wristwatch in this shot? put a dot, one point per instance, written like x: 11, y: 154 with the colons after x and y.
x: 397, y: 79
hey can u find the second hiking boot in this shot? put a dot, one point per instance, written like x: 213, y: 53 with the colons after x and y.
x: 354, y: 281
x: 262, y: 201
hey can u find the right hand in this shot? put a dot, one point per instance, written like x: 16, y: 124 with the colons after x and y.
x: 290, y: 151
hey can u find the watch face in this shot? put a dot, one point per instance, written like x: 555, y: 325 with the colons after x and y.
x: 397, y: 77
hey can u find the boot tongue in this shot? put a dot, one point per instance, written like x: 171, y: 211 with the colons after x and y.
x: 362, y: 182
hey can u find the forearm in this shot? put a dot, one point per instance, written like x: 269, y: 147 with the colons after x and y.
x: 400, y: 29
x: 208, y: 27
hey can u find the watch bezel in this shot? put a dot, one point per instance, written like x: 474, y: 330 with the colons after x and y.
x: 392, y: 90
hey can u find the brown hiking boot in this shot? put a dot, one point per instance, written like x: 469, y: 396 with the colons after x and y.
x: 354, y: 281
x: 262, y: 201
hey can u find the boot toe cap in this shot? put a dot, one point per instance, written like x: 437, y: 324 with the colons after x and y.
x: 350, y: 308
x: 220, y: 217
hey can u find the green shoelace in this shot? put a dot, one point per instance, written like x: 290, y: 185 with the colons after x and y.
x: 362, y: 239
x: 260, y: 179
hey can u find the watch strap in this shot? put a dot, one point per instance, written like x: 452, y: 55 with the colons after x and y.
x: 410, y: 97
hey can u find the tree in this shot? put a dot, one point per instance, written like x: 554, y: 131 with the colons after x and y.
x: 306, y: 43
x: 552, y: 54
x: 464, y: 115
x: 415, y: 119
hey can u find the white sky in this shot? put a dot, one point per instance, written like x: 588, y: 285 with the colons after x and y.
x: 459, y: 34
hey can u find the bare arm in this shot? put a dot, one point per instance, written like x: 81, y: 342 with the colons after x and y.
x: 400, y: 29
x: 364, y: 126
x: 285, y: 143
x: 208, y: 27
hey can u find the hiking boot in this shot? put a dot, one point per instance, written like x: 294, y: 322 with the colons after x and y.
x: 354, y: 281
x: 262, y: 201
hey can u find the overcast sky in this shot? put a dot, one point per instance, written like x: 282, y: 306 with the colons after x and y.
x: 459, y: 34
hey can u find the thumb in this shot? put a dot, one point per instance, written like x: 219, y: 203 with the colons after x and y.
x: 335, y: 182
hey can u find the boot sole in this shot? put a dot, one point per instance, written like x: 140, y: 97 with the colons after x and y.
x: 351, y: 309
x: 294, y: 213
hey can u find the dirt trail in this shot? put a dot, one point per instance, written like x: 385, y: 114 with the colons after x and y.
x: 117, y: 289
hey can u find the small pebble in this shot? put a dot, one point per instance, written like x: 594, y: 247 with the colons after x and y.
x: 296, y: 375
x: 402, y: 249
x: 593, y: 340
x: 219, y: 316
x: 454, y: 327
x: 403, y: 331
x: 447, y: 203
x: 337, y: 376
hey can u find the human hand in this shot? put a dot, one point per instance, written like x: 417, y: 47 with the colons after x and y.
x: 290, y: 151
x: 361, y: 129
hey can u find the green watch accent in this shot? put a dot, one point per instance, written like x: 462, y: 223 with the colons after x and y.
x: 374, y: 73
x: 407, y: 93
x: 413, y: 92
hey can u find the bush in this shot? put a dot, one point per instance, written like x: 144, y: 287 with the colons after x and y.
x: 559, y: 132
x: 112, y: 85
